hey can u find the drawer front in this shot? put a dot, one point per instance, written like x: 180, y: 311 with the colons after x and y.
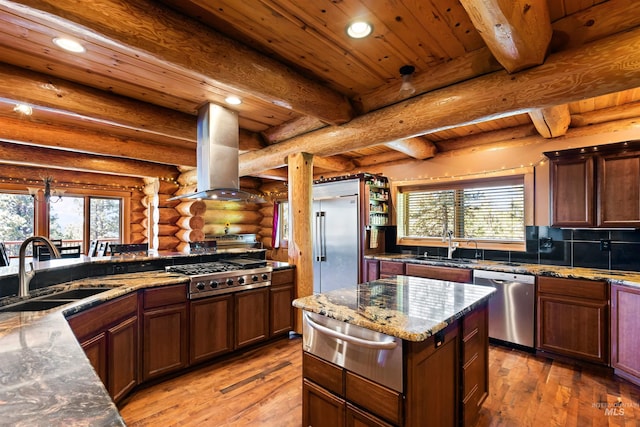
x: 323, y: 373
x: 573, y: 288
x: 391, y: 268
x: 167, y: 295
x: 282, y: 276
x: 461, y: 275
x: 375, y: 398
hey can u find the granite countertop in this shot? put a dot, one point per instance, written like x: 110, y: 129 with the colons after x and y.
x: 410, y: 308
x: 628, y: 278
x: 45, y: 376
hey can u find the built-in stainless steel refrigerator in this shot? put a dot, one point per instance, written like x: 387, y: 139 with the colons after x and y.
x: 337, y: 233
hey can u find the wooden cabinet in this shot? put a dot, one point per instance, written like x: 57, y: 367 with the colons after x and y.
x: 334, y: 396
x: 210, y: 327
x: 391, y: 268
x: 281, y: 295
x: 430, y: 396
x: 109, y: 335
x: 371, y: 270
x: 475, y: 363
x: 596, y: 187
x: 619, y: 190
x: 573, y: 318
x: 251, y: 316
x: 122, y: 361
x: 165, y: 331
x: 451, y: 274
x: 573, y: 192
x: 625, y: 334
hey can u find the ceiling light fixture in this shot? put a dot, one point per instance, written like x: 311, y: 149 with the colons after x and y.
x: 69, y: 45
x: 48, y: 191
x: 233, y: 100
x: 23, y: 109
x: 359, y: 29
x: 407, y: 88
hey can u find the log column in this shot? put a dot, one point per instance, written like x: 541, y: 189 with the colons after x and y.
x: 300, y: 211
x: 152, y: 212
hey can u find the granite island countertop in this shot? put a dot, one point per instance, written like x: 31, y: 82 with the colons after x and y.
x: 410, y: 308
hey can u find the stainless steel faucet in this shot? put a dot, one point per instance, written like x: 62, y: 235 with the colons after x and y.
x: 26, y: 276
x: 477, y: 253
x: 451, y: 245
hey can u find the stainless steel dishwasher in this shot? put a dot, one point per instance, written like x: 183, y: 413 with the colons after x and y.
x: 511, y: 309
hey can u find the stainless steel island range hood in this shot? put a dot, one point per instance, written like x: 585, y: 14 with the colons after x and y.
x: 217, y: 157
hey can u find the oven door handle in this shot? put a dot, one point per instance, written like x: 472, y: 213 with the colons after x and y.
x: 379, y: 345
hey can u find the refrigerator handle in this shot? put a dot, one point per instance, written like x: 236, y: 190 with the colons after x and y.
x: 320, y: 238
x: 323, y: 222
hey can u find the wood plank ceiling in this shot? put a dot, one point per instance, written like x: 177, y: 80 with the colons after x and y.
x: 305, y: 85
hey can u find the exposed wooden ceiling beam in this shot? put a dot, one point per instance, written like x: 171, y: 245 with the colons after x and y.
x: 484, y: 138
x: 91, y: 142
x: 418, y: 148
x: 18, y: 154
x: 599, y: 21
x: 612, y: 65
x: 382, y: 158
x: 41, y: 90
x: 334, y: 163
x: 24, y: 175
x: 188, y: 45
x: 295, y: 127
x: 551, y: 122
x: 624, y: 111
x: 517, y: 32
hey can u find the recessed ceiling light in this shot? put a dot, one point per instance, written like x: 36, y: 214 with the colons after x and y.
x: 69, y: 45
x: 359, y: 29
x: 23, y: 109
x: 233, y: 100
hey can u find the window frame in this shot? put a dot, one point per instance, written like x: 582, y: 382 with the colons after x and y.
x: 41, y: 209
x: 469, y: 181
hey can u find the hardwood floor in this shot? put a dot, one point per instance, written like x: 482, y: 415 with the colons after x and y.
x: 263, y: 388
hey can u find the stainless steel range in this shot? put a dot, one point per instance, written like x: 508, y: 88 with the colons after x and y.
x: 220, y: 277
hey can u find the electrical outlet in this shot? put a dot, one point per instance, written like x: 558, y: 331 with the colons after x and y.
x: 546, y: 242
x: 605, y: 245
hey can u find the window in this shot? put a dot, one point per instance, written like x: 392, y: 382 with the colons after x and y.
x: 487, y: 210
x: 280, y: 235
x: 75, y: 219
x: 17, y: 213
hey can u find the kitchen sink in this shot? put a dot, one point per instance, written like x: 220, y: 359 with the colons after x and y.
x: 74, y: 294
x: 34, y: 305
x: 53, y: 300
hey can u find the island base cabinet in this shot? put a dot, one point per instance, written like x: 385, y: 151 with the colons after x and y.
x: 625, y: 334
x: 432, y: 391
x: 321, y: 408
x: 96, y: 350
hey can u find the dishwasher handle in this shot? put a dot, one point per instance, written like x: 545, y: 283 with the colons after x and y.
x: 380, y: 345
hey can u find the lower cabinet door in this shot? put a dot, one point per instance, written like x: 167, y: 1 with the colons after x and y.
x: 123, y: 358
x: 321, y: 408
x: 211, y: 327
x: 357, y: 418
x: 252, y: 316
x: 96, y: 350
x: 164, y: 341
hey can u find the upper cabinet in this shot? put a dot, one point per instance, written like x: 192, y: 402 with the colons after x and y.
x: 596, y: 186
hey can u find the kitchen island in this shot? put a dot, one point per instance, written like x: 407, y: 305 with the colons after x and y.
x: 441, y: 346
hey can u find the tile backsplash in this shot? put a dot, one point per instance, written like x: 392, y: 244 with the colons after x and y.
x: 604, y: 249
